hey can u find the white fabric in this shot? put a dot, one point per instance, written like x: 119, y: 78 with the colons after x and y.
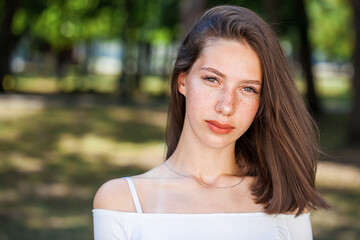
x: 115, y: 225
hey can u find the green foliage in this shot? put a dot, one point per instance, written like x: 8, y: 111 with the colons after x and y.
x: 49, y: 27
x: 81, y: 5
x: 331, y: 29
x: 63, y: 23
x: 151, y: 21
x: 20, y: 21
x: 160, y: 36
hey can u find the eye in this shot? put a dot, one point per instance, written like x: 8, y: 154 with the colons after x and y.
x: 211, y: 79
x: 250, y: 89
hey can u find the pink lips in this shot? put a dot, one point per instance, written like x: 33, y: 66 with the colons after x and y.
x: 219, y: 128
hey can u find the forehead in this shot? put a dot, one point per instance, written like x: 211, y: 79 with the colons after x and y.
x: 233, y: 58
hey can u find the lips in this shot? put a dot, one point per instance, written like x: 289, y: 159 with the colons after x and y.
x: 218, y: 127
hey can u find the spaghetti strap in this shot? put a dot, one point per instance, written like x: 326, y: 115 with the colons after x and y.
x: 134, y: 194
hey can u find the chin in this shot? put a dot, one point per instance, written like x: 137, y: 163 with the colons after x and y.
x: 218, y: 143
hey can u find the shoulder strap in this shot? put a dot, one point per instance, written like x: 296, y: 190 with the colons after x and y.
x: 134, y: 194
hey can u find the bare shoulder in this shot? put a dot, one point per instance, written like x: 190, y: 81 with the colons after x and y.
x: 114, y: 195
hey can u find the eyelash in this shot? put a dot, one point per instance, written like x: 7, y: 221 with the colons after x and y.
x: 213, y: 79
x: 251, y: 89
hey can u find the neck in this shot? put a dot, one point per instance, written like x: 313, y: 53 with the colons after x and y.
x: 213, y: 166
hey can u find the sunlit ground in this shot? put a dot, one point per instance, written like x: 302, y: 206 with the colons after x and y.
x: 53, y: 159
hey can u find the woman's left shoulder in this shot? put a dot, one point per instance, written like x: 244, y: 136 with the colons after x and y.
x: 299, y: 227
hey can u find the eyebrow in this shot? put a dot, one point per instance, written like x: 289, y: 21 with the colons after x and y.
x: 257, y: 82
x: 213, y: 70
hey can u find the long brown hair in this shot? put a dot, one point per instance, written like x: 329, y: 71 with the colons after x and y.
x: 280, y: 149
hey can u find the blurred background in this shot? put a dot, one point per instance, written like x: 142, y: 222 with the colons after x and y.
x: 84, y: 90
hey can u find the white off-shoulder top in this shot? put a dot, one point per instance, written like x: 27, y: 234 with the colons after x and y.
x: 115, y: 225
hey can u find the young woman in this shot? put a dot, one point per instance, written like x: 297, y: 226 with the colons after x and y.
x: 241, y: 146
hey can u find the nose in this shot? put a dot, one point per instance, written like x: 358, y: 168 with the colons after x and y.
x: 226, y: 103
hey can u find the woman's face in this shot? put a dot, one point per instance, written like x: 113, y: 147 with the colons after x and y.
x: 222, y: 92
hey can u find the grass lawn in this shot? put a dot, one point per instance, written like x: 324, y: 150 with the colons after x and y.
x: 53, y: 159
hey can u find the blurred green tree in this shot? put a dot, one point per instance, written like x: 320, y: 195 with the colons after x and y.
x: 148, y: 23
x: 327, y: 30
x: 57, y: 24
x: 64, y: 23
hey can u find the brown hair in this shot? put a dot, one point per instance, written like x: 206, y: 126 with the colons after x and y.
x: 280, y: 148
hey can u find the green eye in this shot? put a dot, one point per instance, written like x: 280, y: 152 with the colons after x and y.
x: 211, y: 79
x: 250, y: 89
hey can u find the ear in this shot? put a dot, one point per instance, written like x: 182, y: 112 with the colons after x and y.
x: 181, y: 83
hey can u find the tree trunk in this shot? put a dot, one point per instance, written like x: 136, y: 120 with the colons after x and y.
x: 355, y: 118
x: 141, y: 53
x: 305, y: 56
x: 190, y: 11
x: 271, y: 7
x: 62, y: 59
x: 7, y: 39
x: 124, y: 86
x: 124, y: 80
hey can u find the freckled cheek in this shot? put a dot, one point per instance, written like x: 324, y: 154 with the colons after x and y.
x: 198, y: 98
x: 249, y: 107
